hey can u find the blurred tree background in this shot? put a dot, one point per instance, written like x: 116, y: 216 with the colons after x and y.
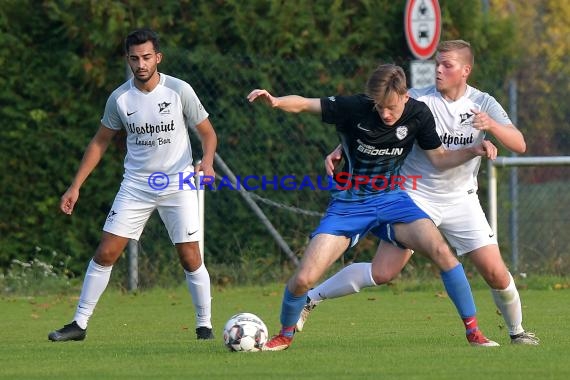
x: 61, y: 59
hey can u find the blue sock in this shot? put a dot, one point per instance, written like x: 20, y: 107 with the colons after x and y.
x: 291, y: 308
x: 459, y: 291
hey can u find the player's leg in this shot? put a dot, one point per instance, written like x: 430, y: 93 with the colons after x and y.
x: 183, y: 227
x: 343, y: 223
x: 94, y: 284
x: 387, y: 263
x: 348, y: 280
x: 422, y: 235
x: 466, y: 228
x: 323, y: 250
x: 125, y: 221
x: 198, y: 283
x: 491, y: 266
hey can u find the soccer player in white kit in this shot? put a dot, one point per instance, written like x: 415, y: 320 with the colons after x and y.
x: 156, y: 111
x: 463, y: 116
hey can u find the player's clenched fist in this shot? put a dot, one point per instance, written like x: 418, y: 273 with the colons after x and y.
x: 68, y: 199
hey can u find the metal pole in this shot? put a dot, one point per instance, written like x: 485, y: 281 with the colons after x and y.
x: 201, y: 207
x: 133, y: 257
x: 133, y: 245
x: 201, y: 212
x: 513, y: 185
x: 532, y: 161
x: 492, y: 195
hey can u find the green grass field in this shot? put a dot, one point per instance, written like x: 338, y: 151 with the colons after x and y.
x: 377, y: 334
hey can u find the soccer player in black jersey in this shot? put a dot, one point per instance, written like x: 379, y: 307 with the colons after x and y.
x: 377, y: 130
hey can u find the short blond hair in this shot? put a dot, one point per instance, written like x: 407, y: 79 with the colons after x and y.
x: 453, y: 45
x: 384, y: 81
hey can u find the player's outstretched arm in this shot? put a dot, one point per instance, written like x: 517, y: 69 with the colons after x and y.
x: 446, y: 159
x: 507, y: 135
x: 288, y: 103
x: 93, y: 153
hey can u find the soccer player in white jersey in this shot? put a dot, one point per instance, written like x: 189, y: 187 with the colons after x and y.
x: 463, y: 115
x: 156, y: 111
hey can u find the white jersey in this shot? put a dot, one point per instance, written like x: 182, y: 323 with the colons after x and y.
x: 157, y: 128
x: 454, y: 125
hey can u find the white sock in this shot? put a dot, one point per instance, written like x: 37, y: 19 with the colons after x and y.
x: 347, y: 281
x: 96, y: 280
x: 199, y: 286
x: 509, y: 303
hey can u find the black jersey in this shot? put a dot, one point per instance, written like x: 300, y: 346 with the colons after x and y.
x: 372, y: 149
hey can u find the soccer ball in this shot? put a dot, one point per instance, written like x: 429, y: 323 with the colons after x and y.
x: 245, y: 332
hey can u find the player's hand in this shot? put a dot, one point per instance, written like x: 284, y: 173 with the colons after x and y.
x: 68, y: 200
x: 490, y: 148
x: 485, y: 149
x: 332, y: 160
x: 264, y: 96
x: 206, y: 173
x: 482, y: 121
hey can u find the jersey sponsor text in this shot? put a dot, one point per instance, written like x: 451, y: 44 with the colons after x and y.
x: 449, y: 140
x: 373, y: 151
x: 151, y: 128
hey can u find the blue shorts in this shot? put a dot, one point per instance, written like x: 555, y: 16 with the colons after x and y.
x: 377, y: 214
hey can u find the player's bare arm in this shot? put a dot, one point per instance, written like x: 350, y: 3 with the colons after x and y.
x: 288, y: 103
x: 446, y: 159
x: 209, y: 144
x: 507, y: 135
x: 93, y: 153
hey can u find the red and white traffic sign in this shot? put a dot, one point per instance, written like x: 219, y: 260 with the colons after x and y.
x: 422, y: 23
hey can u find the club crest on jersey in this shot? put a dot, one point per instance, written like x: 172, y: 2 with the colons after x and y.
x: 466, y: 119
x: 401, y: 132
x: 164, y: 108
x: 465, y: 116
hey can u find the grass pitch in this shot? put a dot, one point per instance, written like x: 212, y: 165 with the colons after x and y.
x: 377, y: 334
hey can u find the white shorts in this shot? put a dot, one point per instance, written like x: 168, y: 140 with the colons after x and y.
x: 132, y: 209
x: 463, y: 223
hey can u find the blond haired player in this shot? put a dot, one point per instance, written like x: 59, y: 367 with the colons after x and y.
x: 378, y: 129
x: 463, y: 116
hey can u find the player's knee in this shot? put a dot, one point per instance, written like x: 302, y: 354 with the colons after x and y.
x: 497, y: 279
x: 381, y: 277
x: 383, y: 272
x: 189, y: 255
x: 191, y: 262
x: 105, y: 257
x: 442, y: 256
x: 302, y: 283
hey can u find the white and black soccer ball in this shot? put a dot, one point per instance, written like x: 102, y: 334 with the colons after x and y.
x: 245, y: 332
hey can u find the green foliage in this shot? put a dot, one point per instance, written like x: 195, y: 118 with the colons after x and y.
x: 37, y: 277
x: 62, y: 58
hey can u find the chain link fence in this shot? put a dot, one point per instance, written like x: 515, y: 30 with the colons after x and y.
x: 257, y: 141
x: 533, y: 218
